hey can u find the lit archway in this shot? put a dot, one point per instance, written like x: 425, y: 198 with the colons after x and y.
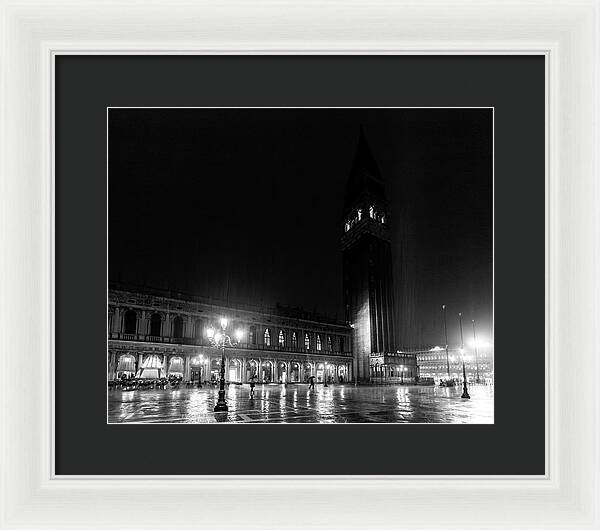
x: 235, y: 371
x: 176, y: 366
x: 126, y: 365
x: 266, y: 375
x: 294, y: 372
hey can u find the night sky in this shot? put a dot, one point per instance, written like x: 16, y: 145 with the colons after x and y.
x: 245, y: 205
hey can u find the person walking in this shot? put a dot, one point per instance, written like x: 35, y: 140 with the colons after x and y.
x: 311, y: 382
x: 252, y: 385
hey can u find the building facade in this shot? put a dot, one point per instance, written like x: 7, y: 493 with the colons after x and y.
x: 367, y: 271
x: 153, y: 334
x: 479, y: 364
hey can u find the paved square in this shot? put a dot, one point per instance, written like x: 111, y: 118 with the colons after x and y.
x: 297, y: 404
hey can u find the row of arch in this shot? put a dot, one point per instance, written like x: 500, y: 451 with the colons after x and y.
x: 237, y: 370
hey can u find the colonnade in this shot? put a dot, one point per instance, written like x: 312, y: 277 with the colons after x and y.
x: 238, y: 369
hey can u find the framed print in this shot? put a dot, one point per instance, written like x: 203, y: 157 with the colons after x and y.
x: 266, y: 266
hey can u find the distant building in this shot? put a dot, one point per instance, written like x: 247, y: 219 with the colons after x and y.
x: 478, y: 364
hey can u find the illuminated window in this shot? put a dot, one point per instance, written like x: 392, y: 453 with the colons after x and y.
x: 307, y: 341
x: 267, y: 337
x: 347, y: 227
x: 329, y: 344
x: 294, y: 340
x: 383, y: 219
x: 252, y: 335
x: 359, y: 214
x: 371, y: 211
x: 318, y: 342
x: 281, y: 338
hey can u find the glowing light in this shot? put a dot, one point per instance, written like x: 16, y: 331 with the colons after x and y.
x: 210, y: 333
x: 481, y: 343
x: 223, y: 323
x: 239, y: 335
x: 218, y: 337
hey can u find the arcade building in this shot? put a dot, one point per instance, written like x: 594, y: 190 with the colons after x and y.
x: 154, y: 334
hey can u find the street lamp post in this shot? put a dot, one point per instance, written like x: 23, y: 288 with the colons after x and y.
x: 446, y: 341
x: 476, y: 359
x: 220, y: 339
x: 465, y: 393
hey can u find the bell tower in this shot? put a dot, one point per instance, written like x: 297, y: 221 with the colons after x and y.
x: 367, y: 261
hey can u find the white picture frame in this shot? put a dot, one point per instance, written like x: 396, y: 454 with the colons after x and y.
x: 566, y: 33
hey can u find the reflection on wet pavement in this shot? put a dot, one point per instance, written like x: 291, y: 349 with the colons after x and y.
x: 298, y: 404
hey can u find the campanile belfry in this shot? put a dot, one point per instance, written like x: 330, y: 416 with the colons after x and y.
x: 367, y: 261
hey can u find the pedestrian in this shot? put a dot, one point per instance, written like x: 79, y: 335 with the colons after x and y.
x: 252, y: 385
x: 311, y: 382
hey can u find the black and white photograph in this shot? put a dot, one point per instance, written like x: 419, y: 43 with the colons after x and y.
x: 300, y: 265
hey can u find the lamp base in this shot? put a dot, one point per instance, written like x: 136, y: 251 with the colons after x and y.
x: 221, y: 405
x: 465, y: 395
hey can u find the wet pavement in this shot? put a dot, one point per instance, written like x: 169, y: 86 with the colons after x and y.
x: 297, y: 404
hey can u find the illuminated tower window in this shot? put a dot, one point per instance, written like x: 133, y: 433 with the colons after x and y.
x: 281, y: 338
x: 347, y: 226
x: 267, y: 337
x: 294, y: 340
x: 329, y: 344
x: 371, y: 212
x: 359, y: 214
x: 318, y: 342
x: 307, y: 341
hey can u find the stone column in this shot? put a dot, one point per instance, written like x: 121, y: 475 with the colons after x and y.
x: 139, y: 364
x: 189, y: 328
x: 116, y: 320
x: 166, y: 326
x: 142, y: 324
x: 244, y: 378
x: 112, y: 366
x: 186, y: 369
